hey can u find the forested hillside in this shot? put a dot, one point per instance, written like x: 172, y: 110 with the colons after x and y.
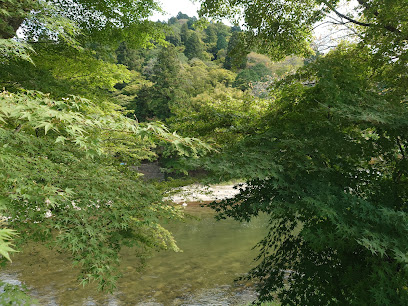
x: 197, y: 60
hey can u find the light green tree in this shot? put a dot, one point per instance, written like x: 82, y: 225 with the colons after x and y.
x: 77, y: 22
x: 66, y: 145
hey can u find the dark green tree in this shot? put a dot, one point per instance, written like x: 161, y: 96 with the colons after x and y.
x: 172, y: 20
x: 155, y: 101
x: 194, y: 47
x: 236, y: 57
x: 190, y: 23
x: 184, y: 33
x: 236, y: 28
x: 167, y: 67
x: 181, y: 15
x: 128, y: 57
x: 221, y: 42
x: 211, y: 34
x: 329, y: 163
x: 174, y: 38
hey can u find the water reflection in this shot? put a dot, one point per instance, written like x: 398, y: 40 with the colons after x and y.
x: 214, y: 254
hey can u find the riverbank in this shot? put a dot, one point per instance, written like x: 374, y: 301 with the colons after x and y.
x: 204, y: 193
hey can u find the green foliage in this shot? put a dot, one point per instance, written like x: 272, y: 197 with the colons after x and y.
x: 67, y: 148
x: 269, y: 24
x: 64, y: 182
x: 194, y: 47
x: 280, y: 28
x: 6, y: 235
x: 174, y: 39
x: 184, y: 33
x: 131, y: 58
x: 12, y: 13
x: 174, y: 84
x: 221, y: 42
x: 288, y: 65
x: 76, y: 23
x: 247, y: 77
x: 62, y: 72
x: 236, y: 57
x: 11, y: 50
x: 222, y: 116
x: 328, y: 164
x: 180, y: 15
x: 155, y: 101
x: 211, y: 34
x: 118, y: 20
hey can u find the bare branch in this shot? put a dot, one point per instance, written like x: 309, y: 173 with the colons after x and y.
x: 400, y: 147
x: 364, y: 24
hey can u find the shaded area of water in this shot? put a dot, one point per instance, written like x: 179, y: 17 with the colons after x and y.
x: 214, y: 254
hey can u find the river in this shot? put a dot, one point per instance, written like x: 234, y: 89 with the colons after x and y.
x: 214, y: 254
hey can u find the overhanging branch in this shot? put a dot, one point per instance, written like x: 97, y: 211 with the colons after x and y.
x: 364, y: 24
x: 363, y: 3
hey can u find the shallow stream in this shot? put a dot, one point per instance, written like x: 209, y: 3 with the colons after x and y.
x: 214, y: 254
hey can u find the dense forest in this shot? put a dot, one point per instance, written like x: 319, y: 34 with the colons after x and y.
x: 91, y: 89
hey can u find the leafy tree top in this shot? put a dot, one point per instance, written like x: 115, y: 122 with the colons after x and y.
x: 79, y: 21
x: 282, y: 28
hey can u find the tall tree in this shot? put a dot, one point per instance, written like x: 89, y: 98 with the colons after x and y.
x: 181, y: 15
x: 236, y: 57
x: 194, y: 47
x: 184, y: 33
x: 211, y: 34
x: 221, y: 42
x: 155, y: 101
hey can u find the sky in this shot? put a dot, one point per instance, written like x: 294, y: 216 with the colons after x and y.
x: 172, y: 7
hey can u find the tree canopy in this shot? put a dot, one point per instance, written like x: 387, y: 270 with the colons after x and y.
x: 282, y: 28
x: 77, y: 23
x: 328, y: 162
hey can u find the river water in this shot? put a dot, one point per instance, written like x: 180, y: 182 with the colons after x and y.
x: 214, y: 254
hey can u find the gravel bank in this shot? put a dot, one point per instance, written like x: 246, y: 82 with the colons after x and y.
x: 202, y: 193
